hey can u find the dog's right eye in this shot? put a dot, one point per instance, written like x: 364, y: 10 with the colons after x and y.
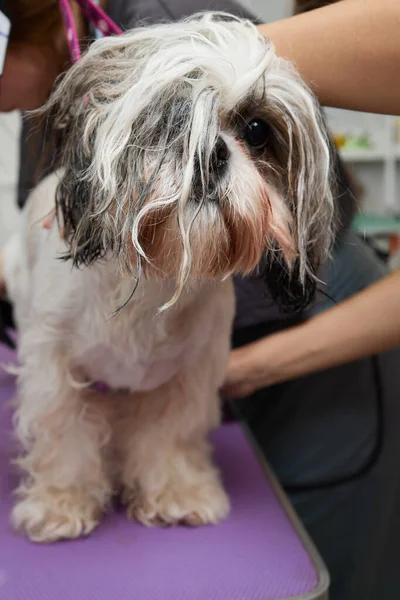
x: 257, y: 134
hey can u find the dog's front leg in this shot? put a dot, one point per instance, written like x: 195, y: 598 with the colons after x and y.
x: 64, y: 488
x: 168, y: 474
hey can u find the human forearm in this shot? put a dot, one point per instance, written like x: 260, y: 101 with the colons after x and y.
x: 348, y: 52
x: 365, y: 324
x: 37, y: 53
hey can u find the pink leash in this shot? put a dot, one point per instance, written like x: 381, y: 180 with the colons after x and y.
x: 94, y: 14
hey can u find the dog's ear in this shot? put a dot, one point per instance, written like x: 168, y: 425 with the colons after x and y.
x: 66, y: 115
x: 307, y: 186
x: 82, y: 101
x: 75, y: 208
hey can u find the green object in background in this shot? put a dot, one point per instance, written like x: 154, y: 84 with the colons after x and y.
x: 375, y: 224
x: 362, y: 142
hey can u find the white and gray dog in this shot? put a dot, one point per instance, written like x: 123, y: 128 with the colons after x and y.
x: 189, y: 152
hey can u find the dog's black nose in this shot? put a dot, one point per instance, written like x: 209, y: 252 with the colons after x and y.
x: 220, y: 155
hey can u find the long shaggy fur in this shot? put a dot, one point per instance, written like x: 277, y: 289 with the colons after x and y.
x: 139, y: 118
x: 162, y: 191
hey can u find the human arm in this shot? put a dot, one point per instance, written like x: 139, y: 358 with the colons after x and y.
x: 29, y: 74
x: 37, y: 53
x: 349, y: 53
x: 365, y: 324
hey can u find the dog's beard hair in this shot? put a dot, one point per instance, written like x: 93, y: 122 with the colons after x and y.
x: 139, y: 118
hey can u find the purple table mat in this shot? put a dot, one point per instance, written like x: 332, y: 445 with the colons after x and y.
x: 256, y: 554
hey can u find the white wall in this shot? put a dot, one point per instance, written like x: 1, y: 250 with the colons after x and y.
x: 269, y: 10
x: 9, y: 153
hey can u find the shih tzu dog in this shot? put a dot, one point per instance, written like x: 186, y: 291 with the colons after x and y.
x: 188, y: 152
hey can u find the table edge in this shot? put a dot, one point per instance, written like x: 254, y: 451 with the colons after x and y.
x: 320, y: 592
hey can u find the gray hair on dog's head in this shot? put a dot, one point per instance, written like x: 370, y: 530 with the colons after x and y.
x: 191, y: 150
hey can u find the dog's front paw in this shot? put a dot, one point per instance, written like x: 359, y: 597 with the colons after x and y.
x: 188, y: 505
x: 55, y: 515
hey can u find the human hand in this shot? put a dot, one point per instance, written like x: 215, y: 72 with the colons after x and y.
x: 282, y: 356
x: 249, y: 368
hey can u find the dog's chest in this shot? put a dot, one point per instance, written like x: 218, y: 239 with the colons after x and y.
x: 138, y: 349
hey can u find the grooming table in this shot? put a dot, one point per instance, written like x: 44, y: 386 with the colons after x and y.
x: 261, y: 552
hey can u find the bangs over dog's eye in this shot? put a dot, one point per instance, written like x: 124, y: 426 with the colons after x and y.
x: 257, y: 134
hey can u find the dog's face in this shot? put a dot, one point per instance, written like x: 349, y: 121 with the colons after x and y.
x: 190, y: 150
